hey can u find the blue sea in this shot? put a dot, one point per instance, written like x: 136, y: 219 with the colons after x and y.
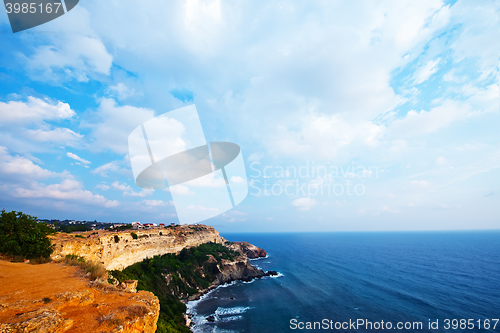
x: 449, y: 280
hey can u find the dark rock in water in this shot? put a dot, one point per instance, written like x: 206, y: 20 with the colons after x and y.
x: 246, y: 278
x: 231, y: 297
x: 271, y: 273
x: 211, y: 319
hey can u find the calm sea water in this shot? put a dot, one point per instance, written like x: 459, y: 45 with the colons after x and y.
x: 394, y: 277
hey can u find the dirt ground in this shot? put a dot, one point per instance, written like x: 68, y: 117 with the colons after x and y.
x: 25, y: 288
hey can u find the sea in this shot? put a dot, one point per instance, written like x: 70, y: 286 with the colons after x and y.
x: 362, y: 282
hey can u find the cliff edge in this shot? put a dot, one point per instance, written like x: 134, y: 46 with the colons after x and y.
x: 117, y: 250
x: 57, y: 298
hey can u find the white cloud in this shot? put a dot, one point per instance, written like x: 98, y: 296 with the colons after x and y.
x: 423, y: 73
x: 33, y: 111
x: 181, y: 189
x: 117, y: 167
x: 22, y: 182
x: 115, y: 124
x: 121, y: 187
x: 122, y: 91
x: 103, y: 187
x: 479, y: 26
x: 237, y: 179
x: 77, y: 158
x: 157, y: 203
x: 145, y: 192
x: 105, y: 168
x: 441, y: 160
x: 210, y: 180
x: 201, y: 208
x: 58, y: 135
x: 68, y: 190
x: 21, y: 167
x: 295, y: 81
x: 424, y: 122
x: 128, y: 192
x: 78, y: 53
x: 304, y: 203
x: 74, y: 57
x: 322, y: 136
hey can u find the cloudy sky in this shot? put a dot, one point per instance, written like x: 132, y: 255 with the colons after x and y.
x: 375, y: 115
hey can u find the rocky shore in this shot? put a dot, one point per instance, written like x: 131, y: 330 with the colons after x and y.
x: 57, y: 298
x: 238, y: 270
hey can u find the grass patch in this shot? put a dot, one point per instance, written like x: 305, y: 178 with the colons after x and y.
x: 95, y: 269
x: 40, y: 260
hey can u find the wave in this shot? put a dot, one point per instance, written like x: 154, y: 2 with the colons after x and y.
x: 232, y: 318
x: 191, y: 305
x: 221, y: 315
x: 248, y: 282
x: 277, y: 276
x: 231, y: 311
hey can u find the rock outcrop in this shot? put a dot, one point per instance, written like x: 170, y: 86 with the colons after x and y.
x: 57, y: 298
x: 140, y: 314
x: 249, y: 250
x: 117, y: 250
x: 239, y: 269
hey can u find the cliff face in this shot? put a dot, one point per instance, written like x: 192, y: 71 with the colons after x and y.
x: 237, y: 269
x: 127, y: 251
x: 56, y: 298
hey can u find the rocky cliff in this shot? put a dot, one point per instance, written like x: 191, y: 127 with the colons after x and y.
x: 117, y: 250
x: 193, y: 272
x: 57, y: 298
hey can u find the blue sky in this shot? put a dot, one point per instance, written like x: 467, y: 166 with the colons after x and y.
x: 397, y: 101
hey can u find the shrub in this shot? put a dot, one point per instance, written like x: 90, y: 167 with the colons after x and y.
x: 134, y: 235
x: 96, y: 269
x: 161, y: 233
x: 73, y: 260
x: 79, y: 236
x: 117, y: 239
x: 71, y: 228
x: 21, y: 235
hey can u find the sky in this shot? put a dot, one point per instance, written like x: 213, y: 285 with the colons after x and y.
x: 350, y: 116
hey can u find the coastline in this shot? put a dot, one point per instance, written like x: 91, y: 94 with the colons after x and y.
x: 192, y: 301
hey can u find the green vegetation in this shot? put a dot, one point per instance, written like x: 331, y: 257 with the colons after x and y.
x: 117, y: 239
x: 121, y: 228
x: 79, y: 236
x: 23, y: 237
x: 172, y: 276
x: 134, y: 235
x: 96, y: 269
x: 72, y: 228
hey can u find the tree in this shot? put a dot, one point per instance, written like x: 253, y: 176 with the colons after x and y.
x: 22, y: 235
